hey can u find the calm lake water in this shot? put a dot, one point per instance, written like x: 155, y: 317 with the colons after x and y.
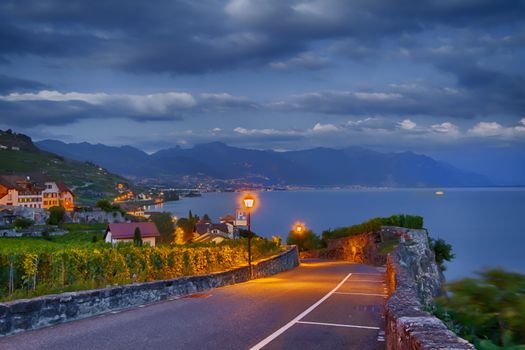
x: 485, y: 226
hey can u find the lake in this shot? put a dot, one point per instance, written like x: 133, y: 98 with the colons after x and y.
x: 483, y: 225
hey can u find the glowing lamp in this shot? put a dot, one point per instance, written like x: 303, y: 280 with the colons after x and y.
x: 299, y: 228
x: 249, y: 202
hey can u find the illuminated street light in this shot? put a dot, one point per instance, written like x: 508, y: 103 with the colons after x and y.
x: 299, y: 228
x: 249, y: 203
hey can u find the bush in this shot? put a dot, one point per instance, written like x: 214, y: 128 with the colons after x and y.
x: 402, y: 220
x: 442, y: 251
x: 56, y: 215
x: 22, y: 223
x: 165, y: 226
x: 306, y: 240
x: 489, y: 311
x: 137, y: 237
x: 372, y: 225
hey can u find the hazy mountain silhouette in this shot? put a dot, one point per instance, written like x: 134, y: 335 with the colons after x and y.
x: 312, y: 167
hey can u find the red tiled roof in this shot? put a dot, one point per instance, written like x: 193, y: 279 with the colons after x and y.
x: 127, y: 230
x: 63, y: 187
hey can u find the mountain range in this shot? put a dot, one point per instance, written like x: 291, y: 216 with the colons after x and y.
x: 312, y: 167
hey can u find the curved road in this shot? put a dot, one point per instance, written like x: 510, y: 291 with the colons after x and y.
x: 319, y: 305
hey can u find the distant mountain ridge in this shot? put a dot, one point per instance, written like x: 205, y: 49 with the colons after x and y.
x: 312, y: 167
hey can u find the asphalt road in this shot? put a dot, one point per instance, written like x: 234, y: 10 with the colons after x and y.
x: 319, y: 305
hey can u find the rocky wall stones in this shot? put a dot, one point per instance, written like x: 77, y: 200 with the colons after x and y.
x: 414, y: 278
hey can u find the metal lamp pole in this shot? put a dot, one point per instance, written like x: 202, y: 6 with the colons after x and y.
x: 249, y: 242
x: 249, y: 202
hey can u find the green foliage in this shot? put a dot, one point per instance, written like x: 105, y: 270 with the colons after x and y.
x: 53, y: 267
x: 306, y: 240
x: 372, y: 225
x: 188, y: 226
x: 45, y: 235
x: 137, y: 237
x: 70, y: 226
x: 106, y: 205
x: 403, y: 220
x: 489, y: 311
x: 442, y: 251
x: 22, y: 223
x: 56, y: 215
x: 165, y: 226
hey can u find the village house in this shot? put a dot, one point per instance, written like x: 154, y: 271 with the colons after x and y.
x: 125, y: 232
x: 209, y: 232
x: 25, y: 192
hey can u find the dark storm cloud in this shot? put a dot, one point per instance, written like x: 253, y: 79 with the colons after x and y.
x: 195, y: 37
x: 11, y: 84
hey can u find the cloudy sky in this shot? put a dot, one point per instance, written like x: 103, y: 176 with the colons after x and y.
x: 441, y: 77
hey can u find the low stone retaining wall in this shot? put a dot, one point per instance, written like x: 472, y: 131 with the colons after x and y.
x: 359, y: 249
x: 21, y: 315
x: 414, y: 278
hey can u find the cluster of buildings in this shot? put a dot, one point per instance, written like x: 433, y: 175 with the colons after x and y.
x: 206, y: 231
x: 26, y: 192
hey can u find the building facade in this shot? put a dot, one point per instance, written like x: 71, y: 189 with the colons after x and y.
x: 25, y: 192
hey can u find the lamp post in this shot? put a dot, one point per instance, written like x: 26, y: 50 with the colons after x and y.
x: 299, y: 230
x: 249, y: 202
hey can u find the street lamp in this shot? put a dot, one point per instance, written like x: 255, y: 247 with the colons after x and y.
x: 299, y: 230
x: 249, y: 203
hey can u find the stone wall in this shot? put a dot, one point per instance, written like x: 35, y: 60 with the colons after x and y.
x: 21, y: 315
x: 414, y: 279
x: 360, y: 249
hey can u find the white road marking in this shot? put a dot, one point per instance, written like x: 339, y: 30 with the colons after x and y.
x: 367, y: 294
x: 338, y: 325
x: 284, y: 328
x: 373, y: 281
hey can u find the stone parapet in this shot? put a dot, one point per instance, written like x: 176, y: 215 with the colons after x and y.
x: 414, y: 278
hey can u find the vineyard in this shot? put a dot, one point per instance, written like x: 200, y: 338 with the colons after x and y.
x: 29, y: 270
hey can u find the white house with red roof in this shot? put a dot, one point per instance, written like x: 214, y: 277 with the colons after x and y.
x: 125, y: 232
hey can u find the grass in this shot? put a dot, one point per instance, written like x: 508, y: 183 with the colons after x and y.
x: 77, y: 236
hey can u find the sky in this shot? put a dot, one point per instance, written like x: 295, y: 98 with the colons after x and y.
x: 439, y: 77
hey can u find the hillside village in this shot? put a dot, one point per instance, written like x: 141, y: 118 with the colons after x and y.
x: 35, y: 185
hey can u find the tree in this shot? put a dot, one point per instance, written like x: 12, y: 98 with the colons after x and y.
x: 187, y: 227
x: 137, y: 237
x: 306, y: 240
x: 165, y: 226
x: 56, y: 215
x: 21, y: 222
x: 105, y: 205
x: 179, y: 236
x: 488, y: 311
x: 206, y: 218
x: 442, y: 251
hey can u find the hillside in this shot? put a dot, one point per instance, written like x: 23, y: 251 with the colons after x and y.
x: 88, y: 181
x: 313, y: 167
